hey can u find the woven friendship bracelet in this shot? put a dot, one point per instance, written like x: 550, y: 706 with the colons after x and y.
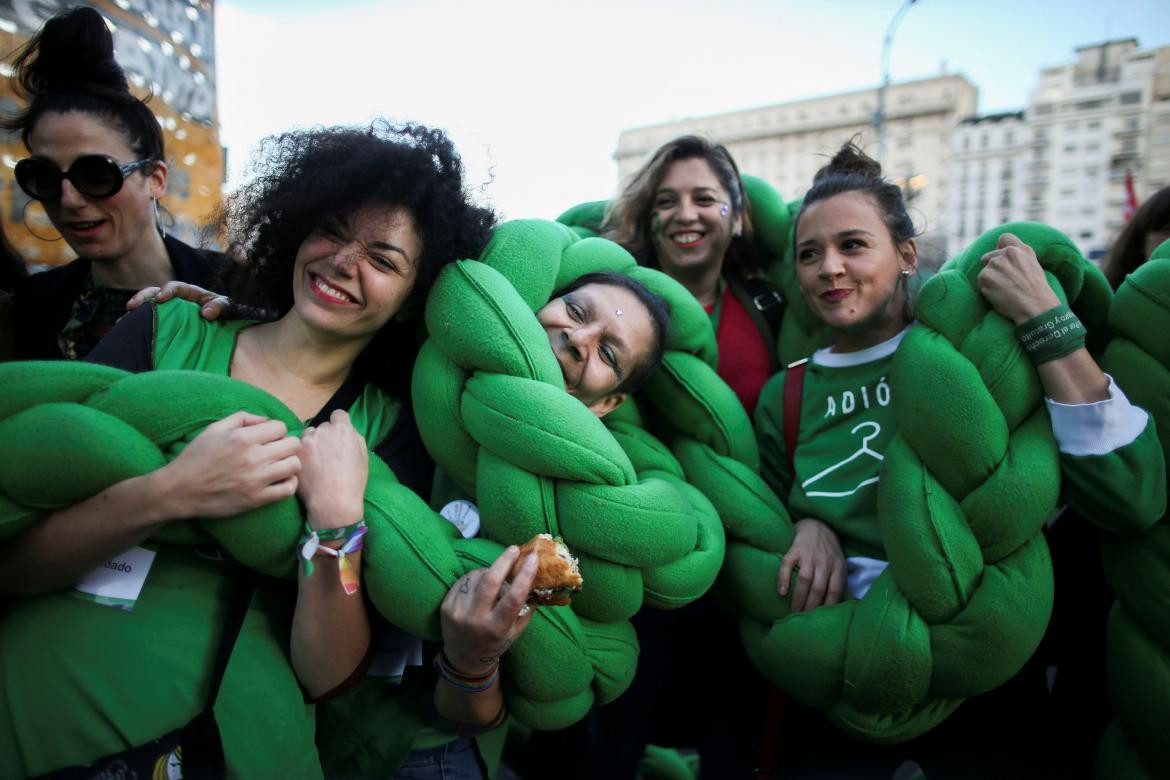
x: 1051, y: 335
x: 310, y: 545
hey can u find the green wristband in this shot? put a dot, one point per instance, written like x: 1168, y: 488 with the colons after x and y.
x: 1051, y: 335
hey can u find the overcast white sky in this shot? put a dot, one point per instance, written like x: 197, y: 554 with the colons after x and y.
x: 535, y: 92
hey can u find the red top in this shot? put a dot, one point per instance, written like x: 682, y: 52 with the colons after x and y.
x: 745, y: 357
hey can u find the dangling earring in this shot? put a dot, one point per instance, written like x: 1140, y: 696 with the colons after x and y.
x: 158, y: 223
x: 28, y: 227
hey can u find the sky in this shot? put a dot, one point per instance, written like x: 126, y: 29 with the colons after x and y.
x: 535, y: 92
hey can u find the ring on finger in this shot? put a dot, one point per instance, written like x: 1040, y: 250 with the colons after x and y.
x: 524, y: 610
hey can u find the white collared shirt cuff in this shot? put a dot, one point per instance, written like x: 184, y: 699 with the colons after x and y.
x: 1096, y: 428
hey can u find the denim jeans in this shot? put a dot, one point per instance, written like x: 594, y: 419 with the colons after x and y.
x: 455, y: 760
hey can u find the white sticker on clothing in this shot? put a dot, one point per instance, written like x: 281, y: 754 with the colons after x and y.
x: 464, y: 515
x: 396, y: 651
x: 118, y: 582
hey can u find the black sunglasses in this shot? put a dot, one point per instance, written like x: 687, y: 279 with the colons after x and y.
x: 93, y: 175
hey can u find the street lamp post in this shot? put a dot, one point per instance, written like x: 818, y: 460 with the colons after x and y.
x: 879, y: 116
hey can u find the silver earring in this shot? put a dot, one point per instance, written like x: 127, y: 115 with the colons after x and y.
x: 905, y: 273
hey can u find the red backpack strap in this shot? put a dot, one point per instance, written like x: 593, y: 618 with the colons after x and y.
x: 768, y: 757
x: 793, y: 394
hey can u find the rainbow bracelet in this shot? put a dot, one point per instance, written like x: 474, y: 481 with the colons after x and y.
x: 310, y: 545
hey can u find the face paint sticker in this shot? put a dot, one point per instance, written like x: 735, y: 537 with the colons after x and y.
x: 618, y: 312
x: 723, y: 211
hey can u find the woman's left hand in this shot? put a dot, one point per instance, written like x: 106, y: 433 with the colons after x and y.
x: 1013, y: 282
x: 483, y: 614
x: 335, y: 464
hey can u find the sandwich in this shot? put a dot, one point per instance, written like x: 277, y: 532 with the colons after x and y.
x: 557, y: 577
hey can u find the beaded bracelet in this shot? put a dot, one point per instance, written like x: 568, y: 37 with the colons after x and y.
x: 453, y: 677
x: 310, y: 545
x: 1051, y: 335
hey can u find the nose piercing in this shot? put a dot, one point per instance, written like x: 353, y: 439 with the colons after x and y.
x: 723, y: 211
x: 618, y: 312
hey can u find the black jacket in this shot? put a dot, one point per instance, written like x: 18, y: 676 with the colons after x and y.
x: 43, y: 302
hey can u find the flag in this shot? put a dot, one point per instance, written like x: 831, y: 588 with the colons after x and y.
x: 1131, y: 202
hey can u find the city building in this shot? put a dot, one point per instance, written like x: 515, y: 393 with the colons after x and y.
x: 985, y: 177
x: 1064, y: 160
x: 167, y: 48
x: 1094, y: 122
x: 785, y: 144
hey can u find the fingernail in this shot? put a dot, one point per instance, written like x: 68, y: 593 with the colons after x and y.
x: 531, y: 559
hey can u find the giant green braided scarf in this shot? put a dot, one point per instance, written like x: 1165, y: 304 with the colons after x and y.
x: 490, y: 401
x: 1137, y: 561
x: 965, y: 488
x: 71, y: 429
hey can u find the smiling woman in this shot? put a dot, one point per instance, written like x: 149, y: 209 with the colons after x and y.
x: 339, y: 235
x: 608, y: 333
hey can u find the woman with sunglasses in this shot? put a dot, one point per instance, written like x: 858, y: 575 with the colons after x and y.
x: 96, y: 164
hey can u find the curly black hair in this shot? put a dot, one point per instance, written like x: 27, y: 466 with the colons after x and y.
x: 304, y: 177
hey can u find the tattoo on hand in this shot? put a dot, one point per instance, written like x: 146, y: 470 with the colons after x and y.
x: 465, y: 586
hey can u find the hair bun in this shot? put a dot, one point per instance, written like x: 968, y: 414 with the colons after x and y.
x: 849, y: 159
x: 74, y: 51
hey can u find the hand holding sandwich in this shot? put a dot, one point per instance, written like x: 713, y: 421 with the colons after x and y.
x: 483, y: 613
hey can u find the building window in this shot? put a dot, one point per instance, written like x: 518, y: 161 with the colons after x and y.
x: 1093, y: 124
x: 1009, y: 137
x: 1129, y: 98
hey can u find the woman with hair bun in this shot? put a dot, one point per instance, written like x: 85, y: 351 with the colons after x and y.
x: 97, y: 165
x: 855, y: 252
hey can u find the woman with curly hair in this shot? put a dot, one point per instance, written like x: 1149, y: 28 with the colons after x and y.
x: 98, y: 166
x: 342, y: 231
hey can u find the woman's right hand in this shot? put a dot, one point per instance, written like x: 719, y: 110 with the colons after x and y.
x: 238, y: 463
x: 817, y: 554
x: 211, y: 304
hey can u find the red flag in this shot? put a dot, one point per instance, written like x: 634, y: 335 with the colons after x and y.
x: 1131, y: 202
